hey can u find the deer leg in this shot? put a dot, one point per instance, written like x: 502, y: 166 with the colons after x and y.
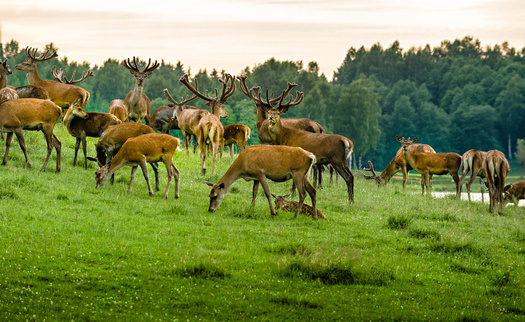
x: 84, y: 149
x: 58, y: 148
x: 155, y: 167
x: 144, y: 167
x: 8, y: 141
x: 49, y: 142
x: 311, y: 192
x: 482, y: 189
x: 77, y: 146
x: 22, y: 143
x: 170, y: 173
x: 176, y: 175
x: 463, y: 175
x: 202, y: 147
x: 214, y: 158
x: 266, y: 189
x: 458, y: 187
x: 133, y: 173
x: 344, y: 171
x: 469, y: 184
x: 254, y: 191
x: 231, y: 151
x: 405, y: 177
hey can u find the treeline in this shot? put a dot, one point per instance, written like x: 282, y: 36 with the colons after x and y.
x: 455, y: 97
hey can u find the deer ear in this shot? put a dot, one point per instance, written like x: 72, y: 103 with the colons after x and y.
x: 414, y: 140
x: 274, y: 196
x: 288, y: 195
x: 398, y: 138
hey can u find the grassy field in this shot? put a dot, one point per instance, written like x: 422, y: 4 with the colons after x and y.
x: 71, y: 252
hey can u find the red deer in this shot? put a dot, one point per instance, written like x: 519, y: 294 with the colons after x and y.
x: 514, y: 192
x: 34, y: 115
x: 139, y: 105
x: 82, y: 124
x: 428, y: 164
x: 235, y: 134
x: 398, y: 163
x: 292, y: 206
x: 163, y: 119
x: 496, y: 168
x: 472, y: 161
x: 137, y: 151
x: 61, y: 94
x: 259, y: 163
x: 118, y: 108
x: 333, y: 149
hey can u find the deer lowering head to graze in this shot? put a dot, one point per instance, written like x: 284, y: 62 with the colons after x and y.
x: 472, y: 162
x: 259, y: 163
x: 428, y: 164
x: 333, y: 149
x: 496, y: 168
x: 398, y: 163
x: 292, y: 206
x: 118, y: 108
x: 136, y: 152
x: 139, y: 105
x: 57, y: 76
x: 235, y: 134
x: 61, y: 94
x: 82, y: 124
x: 34, y: 115
x: 514, y: 192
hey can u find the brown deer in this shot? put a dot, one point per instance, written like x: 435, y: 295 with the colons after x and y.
x: 112, y: 139
x: 496, y: 168
x: 118, y: 108
x: 398, y: 163
x: 235, y: 134
x: 137, y: 151
x: 333, y: 149
x: 472, y: 162
x: 57, y: 76
x: 514, y: 192
x: 291, y: 206
x: 162, y: 119
x: 262, y: 121
x: 61, y: 94
x: 82, y: 124
x: 428, y: 164
x: 139, y: 105
x: 259, y: 163
x: 34, y: 115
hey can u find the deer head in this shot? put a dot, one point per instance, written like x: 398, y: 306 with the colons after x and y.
x: 405, y: 143
x: 30, y: 64
x: 7, y: 70
x: 140, y: 76
x: 374, y: 176
x: 274, y: 113
x: 217, y: 103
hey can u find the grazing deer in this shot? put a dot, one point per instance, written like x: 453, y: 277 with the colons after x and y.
x: 398, y: 163
x: 428, y: 164
x: 496, y: 168
x: 118, y: 108
x: 514, y: 192
x: 291, y: 206
x: 57, y: 76
x: 112, y: 139
x: 235, y: 134
x: 259, y: 163
x: 137, y: 151
x: 34, y: 115
x: 331, y: 149
x: 61, y: 94
x: 139, y: 105
x: 299, y: 123
x: 82, y: 124
x: 472, y: 161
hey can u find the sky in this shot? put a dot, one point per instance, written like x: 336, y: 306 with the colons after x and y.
x: 231, y: 35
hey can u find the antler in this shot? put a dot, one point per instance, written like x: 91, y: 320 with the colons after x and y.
x: 58, y: 76
x: 31, y: 53
x: 256, y: 96
x: 371, y: 169
x: 284, y: 108
x: 182, y: 102
x: 133, y: 67
x: 226, y: 93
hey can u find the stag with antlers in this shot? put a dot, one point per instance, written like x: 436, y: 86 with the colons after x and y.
x: 139, y: 105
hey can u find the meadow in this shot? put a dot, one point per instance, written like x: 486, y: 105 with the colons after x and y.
x: 71, y: 252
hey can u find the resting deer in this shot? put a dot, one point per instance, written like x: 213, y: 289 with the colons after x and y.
x: 428, y: 164
x: 61, y: 94
x: 27, y: 91
x: 136, y: 152
x: 235, y: 134
x: 139, y: 105
x: 34, y: 115
x: 333, y: 149
x: 118, y: 108
x: 57, y: 76
x: 112, y: 139
x: 292, y: 206
x: 298, y: 123
x: 82, y: 124
x: 514, y: 192
x: 259, y: 163
x: 7, y: 93
x: 398, y: 163
x: 472, y: 161
x: 496, y: 168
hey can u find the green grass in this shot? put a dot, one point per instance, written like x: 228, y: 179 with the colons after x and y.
x: 71, y: 252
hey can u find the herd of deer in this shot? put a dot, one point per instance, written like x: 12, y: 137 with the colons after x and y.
x: 291, y: 146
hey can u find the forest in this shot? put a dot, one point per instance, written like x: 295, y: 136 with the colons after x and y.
x: 455, y: 97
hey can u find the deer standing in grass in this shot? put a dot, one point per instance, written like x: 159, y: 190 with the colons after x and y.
x: 428, y: 164
x: 138, y: 151
x: 235, y: 134
x: 292, y: 206
x: 34, y: 115
x: 61, y: 94
x: 514, y: 192
x: 82, y: 124
x: 398, y: 163
x: 139, y: 105
x: 259, y: 163
x: 496, y: 168
x: 118, y: 108
x: 472, y: 162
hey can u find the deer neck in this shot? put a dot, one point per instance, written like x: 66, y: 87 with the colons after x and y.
x: 409, y: 159
x: 261, y: 117
x: 136, y: 94
x: 33, y: 78
x: 3, y: 79
x: 391, y: 169
x: 68, y: 118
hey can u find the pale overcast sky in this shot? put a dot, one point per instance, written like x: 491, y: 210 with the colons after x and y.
x: 233, y: 34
